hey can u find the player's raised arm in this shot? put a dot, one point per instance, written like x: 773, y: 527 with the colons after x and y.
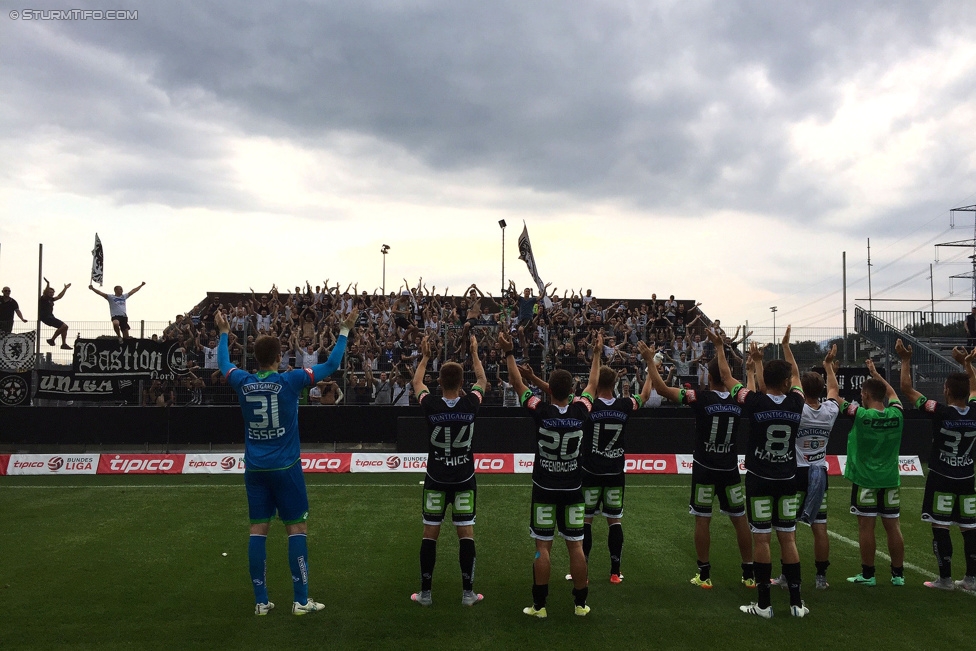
x: 754, y: 375
x: 905, y: 355
x: 788, y: 356
x: 223, y: 353
x: 418, y: 377
x: 594, y: 378
x: 890, y: 394
x: 480, y: 379
x: 654, y: 378
x: 528, y: 375
x: 968, y: 365
x: 329, y: 366
x: 723, y: 364
x: 514, y: 376
x: 833, y: 388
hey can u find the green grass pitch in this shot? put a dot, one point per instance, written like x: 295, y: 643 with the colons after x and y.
x: 136, y: 562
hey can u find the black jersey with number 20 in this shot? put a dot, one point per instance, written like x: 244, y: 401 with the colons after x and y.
x: 451, y: 427
x: 559, y: 440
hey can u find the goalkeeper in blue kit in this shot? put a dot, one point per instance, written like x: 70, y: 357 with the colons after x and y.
x: 273, y: 475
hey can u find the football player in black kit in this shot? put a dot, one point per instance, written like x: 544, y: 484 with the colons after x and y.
x: 950, y: 496
x: 603, y: 456
x: 771, y: 500
x: 715, y: 473
x: 557, y: 496
x: 450, y: 476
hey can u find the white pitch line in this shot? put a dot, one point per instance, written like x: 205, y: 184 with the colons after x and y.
x: 911, y: 566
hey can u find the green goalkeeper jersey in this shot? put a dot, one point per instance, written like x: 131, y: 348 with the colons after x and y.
x: 873, y: 445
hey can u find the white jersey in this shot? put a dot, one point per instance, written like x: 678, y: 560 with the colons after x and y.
x: 811, y: 438
x: 116, y: 304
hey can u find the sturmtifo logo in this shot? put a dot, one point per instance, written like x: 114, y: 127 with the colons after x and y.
x: 13, y: 391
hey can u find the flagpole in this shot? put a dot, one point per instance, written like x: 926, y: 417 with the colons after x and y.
x: 37, y: 323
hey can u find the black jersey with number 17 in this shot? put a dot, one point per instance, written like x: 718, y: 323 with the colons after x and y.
x: 773, y: 425
x: 604, y: 442
x: 451, y: 427
x: 559, y: 440
x: 717, y: 418
x: 953, y: 435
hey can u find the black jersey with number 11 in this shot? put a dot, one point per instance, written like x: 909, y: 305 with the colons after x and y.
x: 717, y: 418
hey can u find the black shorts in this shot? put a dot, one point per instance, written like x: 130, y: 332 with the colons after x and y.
x: 556, y: 510
x: 123, y: 321
x: 949, y: 501
x: 771, y: 504
x: 802, y: 482
x: 462, y: 497
x: 402, y: 322
x: 870, y: 502
x: 603, y: 495
x: 7, y: 326
x: 708, y: 483
x: 52, y: 321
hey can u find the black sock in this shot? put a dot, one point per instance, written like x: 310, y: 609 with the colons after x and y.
x: 897, y: 571
x: 764, y: 572
x: 942, y: 546
x: 822, y: 567
x: 539, y: 595
x: 747, y: 571
x: 969, y: 548
x: 428, y: 556
x: 587, y: 540
x: 704, y: 570
x: 792, y: 573
x: 615, y: 542
x: 867, y: 571
x: 466, y: 558
x: 579, y: 596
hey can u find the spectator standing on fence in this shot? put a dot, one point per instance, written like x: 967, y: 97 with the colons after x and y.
x: 116, y: 307
x: 45, y: 313
x: 8, y: 307
x: 272, y: 469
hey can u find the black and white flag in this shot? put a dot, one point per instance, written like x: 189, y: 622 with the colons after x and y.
x: 17, y: 351
x: 98, y: 263
x: 525, y: 253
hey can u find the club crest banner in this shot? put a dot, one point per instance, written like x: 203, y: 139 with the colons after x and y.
x: 17, y: 351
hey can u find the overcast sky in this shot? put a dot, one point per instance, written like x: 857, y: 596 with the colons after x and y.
x: 723, y: 151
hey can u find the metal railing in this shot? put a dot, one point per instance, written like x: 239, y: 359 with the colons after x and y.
x: 930, y: 367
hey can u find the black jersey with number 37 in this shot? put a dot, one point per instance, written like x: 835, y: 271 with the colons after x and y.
x: 717, y: 418
x: 773, y: 424
x: 451, y: 427
x: 953, y: 435
x: 604, y: 442
x: 559, y: 440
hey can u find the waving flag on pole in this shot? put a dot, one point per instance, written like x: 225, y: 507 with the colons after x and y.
x: 525, y: 253
x: 98, y: 263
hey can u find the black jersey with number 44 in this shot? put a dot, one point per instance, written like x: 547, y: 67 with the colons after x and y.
x: 451, y: 427
x: 604, y: 442
x: 953, y: 435
x: 559, y: 442
x: 774, y: 422
x: 717, y: 418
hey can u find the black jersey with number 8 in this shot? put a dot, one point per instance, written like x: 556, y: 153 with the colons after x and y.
x: 773, y: 424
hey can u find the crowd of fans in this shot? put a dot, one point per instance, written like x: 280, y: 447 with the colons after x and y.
x: 550, y: 332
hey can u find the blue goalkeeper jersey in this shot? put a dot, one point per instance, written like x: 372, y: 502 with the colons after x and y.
x: 269, y: 402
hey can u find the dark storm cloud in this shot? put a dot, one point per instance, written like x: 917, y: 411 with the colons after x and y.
x: 654, y: 105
